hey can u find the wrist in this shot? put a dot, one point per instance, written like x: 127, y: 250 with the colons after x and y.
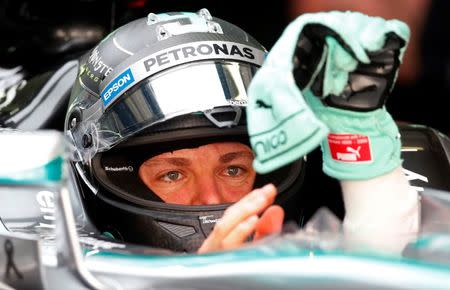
x: 383, y: 212
x: 361, y: 145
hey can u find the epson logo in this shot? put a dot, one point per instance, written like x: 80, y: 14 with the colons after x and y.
x: 117, y: 85
x: 195, y: 51
x: 119, y: 169
x: 272, y: 142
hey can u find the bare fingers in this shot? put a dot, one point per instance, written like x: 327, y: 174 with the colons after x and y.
x: 271, y: 222
x: 239, y: 220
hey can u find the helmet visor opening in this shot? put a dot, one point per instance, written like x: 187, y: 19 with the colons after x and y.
x: 118, y: 170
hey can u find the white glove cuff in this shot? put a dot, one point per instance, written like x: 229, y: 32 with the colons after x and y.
x: 383, y: 211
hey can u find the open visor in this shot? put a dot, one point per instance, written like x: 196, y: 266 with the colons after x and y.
x: 194, y: 87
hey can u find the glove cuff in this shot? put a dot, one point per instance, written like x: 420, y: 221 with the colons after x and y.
x: 361, y: 145
x: 371, y: 149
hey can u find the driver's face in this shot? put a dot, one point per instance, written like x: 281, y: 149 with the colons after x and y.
x: 210, y: 174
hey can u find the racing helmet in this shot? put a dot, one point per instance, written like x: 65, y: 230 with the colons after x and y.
x: 157, y: 84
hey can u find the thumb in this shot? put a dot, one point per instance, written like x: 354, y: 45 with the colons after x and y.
x: 271, y: 222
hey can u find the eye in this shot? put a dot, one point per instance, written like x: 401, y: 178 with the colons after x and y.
x: 234, y: 171
x: 171, y: 176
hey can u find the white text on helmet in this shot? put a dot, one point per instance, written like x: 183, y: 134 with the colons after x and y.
x: 205, y: 49
x: 97, y: 64
x: 177, y: 55
x: 121, y: 82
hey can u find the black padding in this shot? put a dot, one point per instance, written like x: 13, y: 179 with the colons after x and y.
x: 368, y: 86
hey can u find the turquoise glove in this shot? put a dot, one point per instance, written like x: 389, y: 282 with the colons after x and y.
x: 281, y: 126
x: 346, y: 68
x: 361, y: 145
x: 346, y: 64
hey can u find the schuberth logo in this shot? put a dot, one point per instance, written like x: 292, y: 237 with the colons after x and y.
x: 119, y: 169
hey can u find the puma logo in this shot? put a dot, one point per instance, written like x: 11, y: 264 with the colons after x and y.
x: 354, y: 151
x: 261, y: 104
x: 353, y: 154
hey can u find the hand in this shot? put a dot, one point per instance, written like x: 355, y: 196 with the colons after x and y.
x: 346, y: 68
x: 328, y: 67
x: 241, y: 220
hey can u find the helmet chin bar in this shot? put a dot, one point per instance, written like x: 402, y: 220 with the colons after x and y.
x: 181, y: 231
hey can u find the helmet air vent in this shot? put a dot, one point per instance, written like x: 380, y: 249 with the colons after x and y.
x: 216, y: 116
x: 204, y: 13
x: 178, y: 230
x: 152, y: 18
x: 162, y: 33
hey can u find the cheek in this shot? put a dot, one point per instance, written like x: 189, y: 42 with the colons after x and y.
x: 174, y: 196
x: 234, y: 192
x: 176, y: 193
x: 144, y: 175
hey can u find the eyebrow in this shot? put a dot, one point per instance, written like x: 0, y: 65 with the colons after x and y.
x: 228, y: 157
x: 177, y: 161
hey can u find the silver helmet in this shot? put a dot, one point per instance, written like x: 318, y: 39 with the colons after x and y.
x: 157, y: 84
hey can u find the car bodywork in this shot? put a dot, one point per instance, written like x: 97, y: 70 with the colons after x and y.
x: 48, y: 242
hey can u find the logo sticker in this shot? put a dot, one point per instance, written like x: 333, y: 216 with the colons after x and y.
x: 177, y: 55
x: 273, y: 141
x: 119, y: 169
x: 198, y: 51
x: 120, y: 83
x: 208, y: 219
x: 350, y: 148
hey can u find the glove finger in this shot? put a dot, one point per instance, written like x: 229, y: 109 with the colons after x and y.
x: 282, y: 128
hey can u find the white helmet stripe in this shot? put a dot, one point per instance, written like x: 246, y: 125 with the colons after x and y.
x: 176, y: 55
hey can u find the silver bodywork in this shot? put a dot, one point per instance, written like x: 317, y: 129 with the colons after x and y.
x: 47, y: 242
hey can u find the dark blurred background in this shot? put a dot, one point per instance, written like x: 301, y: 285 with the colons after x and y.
x: 38, y: 33
x: 423, y: 84
x: 42, y: 35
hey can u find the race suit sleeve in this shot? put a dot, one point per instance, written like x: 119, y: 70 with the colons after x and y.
x: 382, y: 212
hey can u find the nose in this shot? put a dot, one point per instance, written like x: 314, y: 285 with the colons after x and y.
x: 207, y: 191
